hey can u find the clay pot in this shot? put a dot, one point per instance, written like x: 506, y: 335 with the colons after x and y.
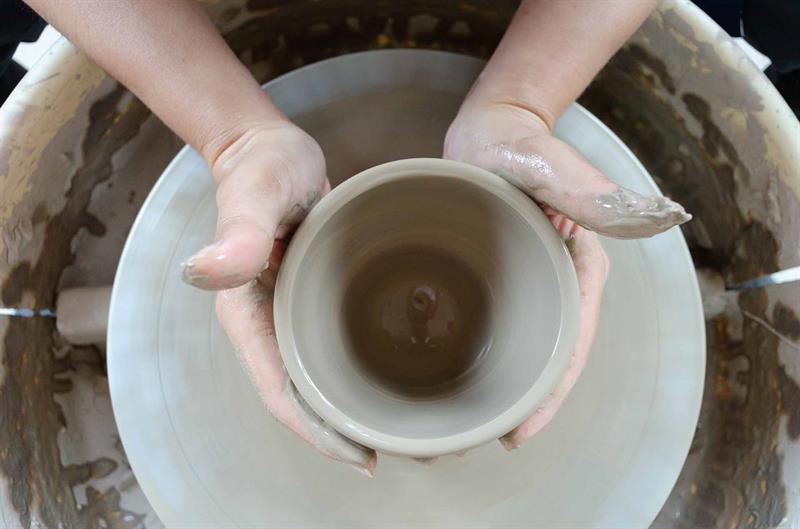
x: 433, y: 264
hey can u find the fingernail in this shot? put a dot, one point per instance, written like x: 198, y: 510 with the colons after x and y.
x: 508, y: 443
x: 363, y: 470
x: 190, y: 276
x: 268, y: 279
x: 570, y: 244
x: 189, y: 272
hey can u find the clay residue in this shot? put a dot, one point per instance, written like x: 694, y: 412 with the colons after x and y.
x: 785, y: 321
x: 645, y: 61
x: 733, y: 475
x: 30, y: 419
x: 328, y: 439
x: 40, y: 107
x: 714, y: 141
x: 790, y: 392
x: 629, y: 215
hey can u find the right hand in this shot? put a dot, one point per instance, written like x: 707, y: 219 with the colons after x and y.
x: 517, y: 144
x: 269, y: 177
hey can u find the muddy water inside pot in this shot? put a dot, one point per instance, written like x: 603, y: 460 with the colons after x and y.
x: 418, y: 321
x: 423, y: 311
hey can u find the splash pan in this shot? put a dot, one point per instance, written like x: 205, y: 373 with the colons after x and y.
x: 206, y: 452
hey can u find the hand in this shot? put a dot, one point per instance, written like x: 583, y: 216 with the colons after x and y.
x: 269, y: 176
x: 516, y: 144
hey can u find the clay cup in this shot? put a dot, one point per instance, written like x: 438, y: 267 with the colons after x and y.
x: 425, y: 307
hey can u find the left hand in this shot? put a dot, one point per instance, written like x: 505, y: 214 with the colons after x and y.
x: 517, y: 144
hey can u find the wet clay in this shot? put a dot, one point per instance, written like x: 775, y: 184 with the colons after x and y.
x: 329, y: 440
x: 30, y: 420
x: 397, y: 307
x: 418, y: 321
x: 736, y: 473
x: 541, y: 167
x: 629, y: 215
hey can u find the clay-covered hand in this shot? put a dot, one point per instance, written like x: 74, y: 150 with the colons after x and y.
x: 517, y: 145
x: 269, y: 176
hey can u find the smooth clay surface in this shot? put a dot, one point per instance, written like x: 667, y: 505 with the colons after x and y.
x: 610, y: 457
x: 425, y: 307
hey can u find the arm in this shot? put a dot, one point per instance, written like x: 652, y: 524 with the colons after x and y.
x: 552, y: 50
x: 173, y: 58
x: 268, y: 171
x: 550, y: 53
x: 548, y: 56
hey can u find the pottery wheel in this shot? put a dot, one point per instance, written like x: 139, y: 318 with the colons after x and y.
x: 206, y: 452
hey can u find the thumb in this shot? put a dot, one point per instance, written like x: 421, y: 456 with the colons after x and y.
x: 519, y: 147
x: 552, y: 172
x: 251, y: 208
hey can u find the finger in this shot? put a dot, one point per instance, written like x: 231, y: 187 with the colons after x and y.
x: 565, y: 227
x: 324, y: 438
x: 552, y: 172
x: 246, y: 316
x: 251, y: 209
x: 591, y: 266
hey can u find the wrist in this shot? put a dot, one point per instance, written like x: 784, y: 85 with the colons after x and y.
x: 528, y: 111
x: 269, y: 147
x: 512, y: 95
x: 234, y: 129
